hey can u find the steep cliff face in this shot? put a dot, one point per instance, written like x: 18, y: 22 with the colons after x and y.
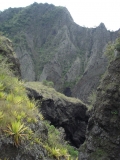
x: 6, y: 51
x: 61, y: 111
x: 50, y: 46
x: 103, y: 131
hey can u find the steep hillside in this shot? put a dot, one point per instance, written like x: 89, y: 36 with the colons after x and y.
x: 15, y: 110
x: 24, y: 135
x: 103, y: 131
x: 49, y: 45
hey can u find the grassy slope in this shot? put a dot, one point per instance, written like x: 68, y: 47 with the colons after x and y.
x: 50, y: 93
x: 17, y: 113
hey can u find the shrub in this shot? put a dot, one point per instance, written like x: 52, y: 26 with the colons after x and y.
x: 17, y: 113
x: 48, y: 83
x: 109, y: 52
x: 15, y: 107
x: 56, y: 145
x: 91, y: 100
x: 17, y: 131
x: 110, y: 49
x: 117, y: 44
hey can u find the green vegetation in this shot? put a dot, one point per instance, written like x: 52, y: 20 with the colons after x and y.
x: 69, y: 84
x: 49, y: 92
x: 99, y: 154
x: 17, y: 113
x: 91, y: 100
x: 3, y: 44
x: 117, y: 44
x: 17, y: 130
x: 115, y: 112
x: 57, y: 147
x: 48, y: 83
x: 110, y: 53
x: 39, y: 37
x: 15, y: 107
x: 110, y: 50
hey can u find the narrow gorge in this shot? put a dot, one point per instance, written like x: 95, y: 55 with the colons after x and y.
x: 59, y: 86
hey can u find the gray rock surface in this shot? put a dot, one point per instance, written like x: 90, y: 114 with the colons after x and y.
x: 62, y: 111
x: 26, y: 151
x: 48, y: 45
x: 7, y: 52
x: 103, y: 131
x: 95, y: 60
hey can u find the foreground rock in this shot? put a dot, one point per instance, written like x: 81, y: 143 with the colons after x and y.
x: 61, y: 111
x: 27, y: 150
x: 103, y: 132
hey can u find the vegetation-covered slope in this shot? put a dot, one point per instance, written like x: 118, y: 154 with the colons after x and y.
x: 50, y: 46
x: 48, y: 92
x: 23, y: 132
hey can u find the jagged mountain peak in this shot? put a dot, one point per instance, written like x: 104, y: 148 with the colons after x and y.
x: 102, y: 25
x: 50, y: 46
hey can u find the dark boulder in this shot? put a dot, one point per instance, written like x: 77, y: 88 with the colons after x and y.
x: 62, y: 111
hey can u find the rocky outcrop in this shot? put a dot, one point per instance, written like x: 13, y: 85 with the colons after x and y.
x: 103, y: 131
x: 61, y: 111
x: 27, y: 150
x: 95, y: 61
x: 6, y: 51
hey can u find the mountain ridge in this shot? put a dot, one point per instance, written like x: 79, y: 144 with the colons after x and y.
x: 50, y: 46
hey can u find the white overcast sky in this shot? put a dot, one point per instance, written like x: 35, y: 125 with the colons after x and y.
x: 88, y: 13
